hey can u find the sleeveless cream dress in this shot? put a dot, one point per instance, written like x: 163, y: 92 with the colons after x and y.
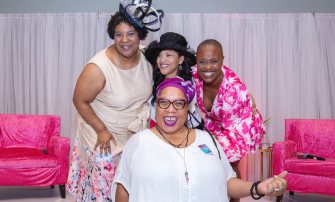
x: 122, y: 106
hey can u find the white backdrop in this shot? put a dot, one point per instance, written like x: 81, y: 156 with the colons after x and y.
x: 286, y: 60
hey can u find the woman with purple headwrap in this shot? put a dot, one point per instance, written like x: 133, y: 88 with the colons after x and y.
x: 172, y: 57
x: 171, y: 162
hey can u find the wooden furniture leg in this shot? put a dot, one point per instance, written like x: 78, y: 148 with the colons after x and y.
x: 62, y: 190
x: 279, y: 198
x: 261, y: 166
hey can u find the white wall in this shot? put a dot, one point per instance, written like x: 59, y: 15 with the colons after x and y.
x: 171, y: 6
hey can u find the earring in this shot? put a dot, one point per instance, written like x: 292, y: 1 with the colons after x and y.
x: 180, y: 67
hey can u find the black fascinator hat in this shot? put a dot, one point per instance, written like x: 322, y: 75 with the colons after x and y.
x: 170, y: 40
x: 140, y: 14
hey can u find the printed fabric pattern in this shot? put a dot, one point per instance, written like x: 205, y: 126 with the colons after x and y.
x: 91, y: 179
x: 231, y: 119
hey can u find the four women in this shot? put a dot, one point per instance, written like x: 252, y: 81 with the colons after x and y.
x: 111, y: 98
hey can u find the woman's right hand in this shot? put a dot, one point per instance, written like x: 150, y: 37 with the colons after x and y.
x: 90, y: 83
x: 103, y: 141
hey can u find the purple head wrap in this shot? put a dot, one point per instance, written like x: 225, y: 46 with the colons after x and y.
x: 185, y: 86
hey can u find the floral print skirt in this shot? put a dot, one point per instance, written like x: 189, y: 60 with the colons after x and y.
x: 91, y: 179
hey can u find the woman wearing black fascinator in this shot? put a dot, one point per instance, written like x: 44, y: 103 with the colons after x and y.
x: 172, y: 57
x: 111, y: 97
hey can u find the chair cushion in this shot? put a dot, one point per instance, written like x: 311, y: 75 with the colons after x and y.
x: 316, y: 136
x: 310, y: 167
x: 18, y: 158
x: 30, y: 131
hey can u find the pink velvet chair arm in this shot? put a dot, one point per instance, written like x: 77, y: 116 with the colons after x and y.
x: 282, y: 151
x: 60, y: 146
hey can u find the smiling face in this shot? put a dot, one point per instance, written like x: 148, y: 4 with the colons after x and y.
x: 209, y: 63
x: 170, y: 120
x: 168, y: 62
x: 126, y: 40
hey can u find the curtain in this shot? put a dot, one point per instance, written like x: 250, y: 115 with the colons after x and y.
x: 284, y: 59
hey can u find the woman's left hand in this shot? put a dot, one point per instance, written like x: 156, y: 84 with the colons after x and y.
x: 273, y: 186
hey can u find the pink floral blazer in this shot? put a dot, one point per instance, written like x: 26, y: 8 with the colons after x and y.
x: 231, y: 119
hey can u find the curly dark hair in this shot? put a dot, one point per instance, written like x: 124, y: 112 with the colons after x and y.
x: 118, y: 18
x: 158, y: 77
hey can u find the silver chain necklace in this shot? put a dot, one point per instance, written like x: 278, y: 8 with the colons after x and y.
x: 184, y: 158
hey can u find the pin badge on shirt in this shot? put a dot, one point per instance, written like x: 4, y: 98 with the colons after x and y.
x: 205, y: 149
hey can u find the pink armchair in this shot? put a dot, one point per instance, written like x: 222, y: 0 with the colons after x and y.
x: 22, y: 161
x: 307, y: 175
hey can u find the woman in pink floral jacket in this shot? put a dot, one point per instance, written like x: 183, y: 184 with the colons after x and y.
x: 227, y: 104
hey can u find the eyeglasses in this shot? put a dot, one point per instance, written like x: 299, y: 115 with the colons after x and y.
x: 177, y: 104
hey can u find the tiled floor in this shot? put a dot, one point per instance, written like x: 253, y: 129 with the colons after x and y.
x: 46, y: 194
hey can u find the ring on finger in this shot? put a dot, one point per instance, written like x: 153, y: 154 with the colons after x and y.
x: 279, y: 188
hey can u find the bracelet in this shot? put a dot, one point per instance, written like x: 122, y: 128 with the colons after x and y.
x: 251, y: 191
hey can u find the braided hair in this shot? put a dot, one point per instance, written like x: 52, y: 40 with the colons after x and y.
x: 192, y: 116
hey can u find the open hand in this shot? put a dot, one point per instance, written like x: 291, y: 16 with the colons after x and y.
x: 275, y: 186
x: 103, y: 141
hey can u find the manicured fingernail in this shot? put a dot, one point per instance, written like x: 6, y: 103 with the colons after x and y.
x: 270, y: 191
x: 275, y: 176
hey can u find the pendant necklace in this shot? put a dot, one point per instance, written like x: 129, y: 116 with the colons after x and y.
x: 174, y: 147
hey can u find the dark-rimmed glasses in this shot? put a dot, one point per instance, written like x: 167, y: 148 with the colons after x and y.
x: 177, y: 104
